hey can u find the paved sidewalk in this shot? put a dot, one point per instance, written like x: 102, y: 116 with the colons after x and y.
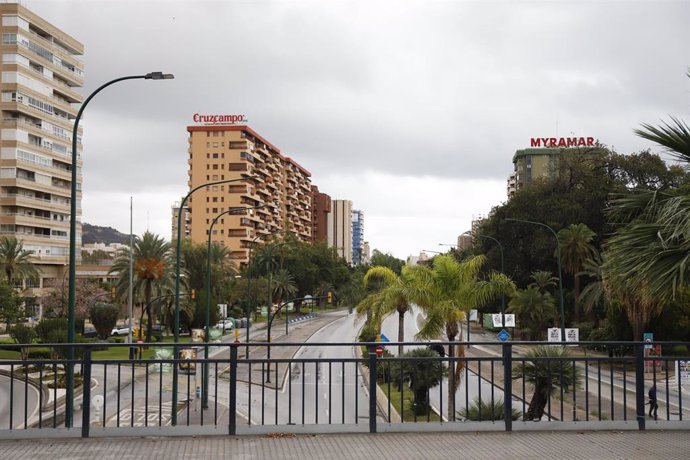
x: 562, y: 445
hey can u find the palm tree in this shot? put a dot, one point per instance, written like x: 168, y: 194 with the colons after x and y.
x: 593, y: 295
x: 576, y: 247
x: 15, y: 260
x: 446, y: 293
x: 152, y: 271
x: 535, y: 309
x: 545, y: 375
x: 284, y: 286
x: 393, y: 297
x: 543, y: 280
x: 652, y: 250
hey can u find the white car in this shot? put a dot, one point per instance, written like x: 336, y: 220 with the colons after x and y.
x: 226, y: 324
x: 120, y: 330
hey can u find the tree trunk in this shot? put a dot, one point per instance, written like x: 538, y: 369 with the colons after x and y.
x: 149, y: 325
x: 451, y: 333
x: 536, y: 405
x: 576, y: 294
x: 401, y: 330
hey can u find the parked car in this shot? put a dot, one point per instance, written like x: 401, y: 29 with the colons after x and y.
x: 90, y: 333
x: 120, y: 330
x: 227, y: 323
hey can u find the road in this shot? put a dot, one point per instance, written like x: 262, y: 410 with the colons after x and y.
x: 306, y: 397
x: 13, y: 397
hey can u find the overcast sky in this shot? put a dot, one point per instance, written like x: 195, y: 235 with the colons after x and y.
x: 411, y: 109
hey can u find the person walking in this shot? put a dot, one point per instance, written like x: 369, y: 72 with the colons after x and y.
x: 653, y: 405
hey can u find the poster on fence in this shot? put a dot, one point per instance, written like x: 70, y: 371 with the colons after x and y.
x: 188, y: 357
x: 572, y: 334
x: 682, y: 374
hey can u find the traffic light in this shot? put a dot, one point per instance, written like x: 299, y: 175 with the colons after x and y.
x: 329, y: 297
x: 112, y: 293
x: 193, y: 294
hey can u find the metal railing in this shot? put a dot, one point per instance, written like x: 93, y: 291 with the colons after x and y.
x: 126, y: 389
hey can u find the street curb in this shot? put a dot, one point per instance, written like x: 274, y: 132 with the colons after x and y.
x: 381, y: 398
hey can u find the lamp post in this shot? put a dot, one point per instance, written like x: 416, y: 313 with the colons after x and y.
x: 558, y: 258
x: 503, y: 296
x: 204, y: 399
x: 69, y: 396
x: 176, y: 322
x: 249, y: 279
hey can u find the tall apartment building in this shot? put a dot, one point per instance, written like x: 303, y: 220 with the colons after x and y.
x: 262, y: 176
x: 320, y: 209
x: 340, y: 228
x: 357, y: 236
x: 41, y: 73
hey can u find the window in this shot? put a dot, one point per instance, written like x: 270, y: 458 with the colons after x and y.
x: 215, y: 133
x: 208, y: 134
x: 215, y: 144
x: 222, y: 144
x: 208, y: 156
x: 214, y: 166
x: 208, y: 145
x: 215, y: 177
x: 215, y: 199
x: 207, y: 199
x: 207, y: 178
x: 222, y: 154
x: 215, y: 210
x: 215, y: 155
x: 208, y: 166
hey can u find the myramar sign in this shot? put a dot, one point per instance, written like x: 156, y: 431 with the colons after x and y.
x: 219, y: 119
x: 565, y: 142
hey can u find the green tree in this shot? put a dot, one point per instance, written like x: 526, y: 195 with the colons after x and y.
x: 22, y: 334
x: 15, y: 260
x: 576, y: 247
x: 381, y: 259
x: 10, y: 305
x: 445, y: 293
x: 152, y: 271
x: 104, y: 317
x: 535, y: 310
x: 547, y: 372
x: 392, y: 297
x: 283, y: 285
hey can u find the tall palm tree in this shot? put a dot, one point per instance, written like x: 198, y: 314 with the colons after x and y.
x: 393, y: 296
x: 152, y: 271
x: 15, y: 260
x: 576, y: 247
x: 284, y: 286
x: 446, y: 293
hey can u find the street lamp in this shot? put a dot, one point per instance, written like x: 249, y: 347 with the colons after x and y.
x: 176, y: 322
x: 69, y: 396
x: 500, y: 246
x: 249, y: 279
x: 208, y: 296
x: 558, y: 258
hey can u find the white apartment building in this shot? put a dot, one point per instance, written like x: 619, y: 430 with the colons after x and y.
x: 41, y: 73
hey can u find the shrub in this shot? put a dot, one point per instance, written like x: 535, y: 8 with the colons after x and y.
x: 104, y: 317
x: 39, y: 353
x: 22, y: 334
x: 488, y: 412
x: 46, y: 326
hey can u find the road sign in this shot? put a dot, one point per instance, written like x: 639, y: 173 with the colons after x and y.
x: 384, y: 338
x: 473, y: 315
x: 503, y: 336
x: 648, y: 338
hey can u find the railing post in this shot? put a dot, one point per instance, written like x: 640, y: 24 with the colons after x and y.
x: 372, y: 390
x: 639, y: 385
x: 508, y: 386
x: 232, y: 425
x: 86, y: 394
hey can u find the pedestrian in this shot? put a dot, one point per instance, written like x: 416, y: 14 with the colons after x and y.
x: 653, y: 405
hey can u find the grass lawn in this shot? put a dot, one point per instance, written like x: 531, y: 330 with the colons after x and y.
x: 148, y: 353
x: 408, y: 400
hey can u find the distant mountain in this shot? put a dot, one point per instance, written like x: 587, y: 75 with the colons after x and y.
x: 94, y: 234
